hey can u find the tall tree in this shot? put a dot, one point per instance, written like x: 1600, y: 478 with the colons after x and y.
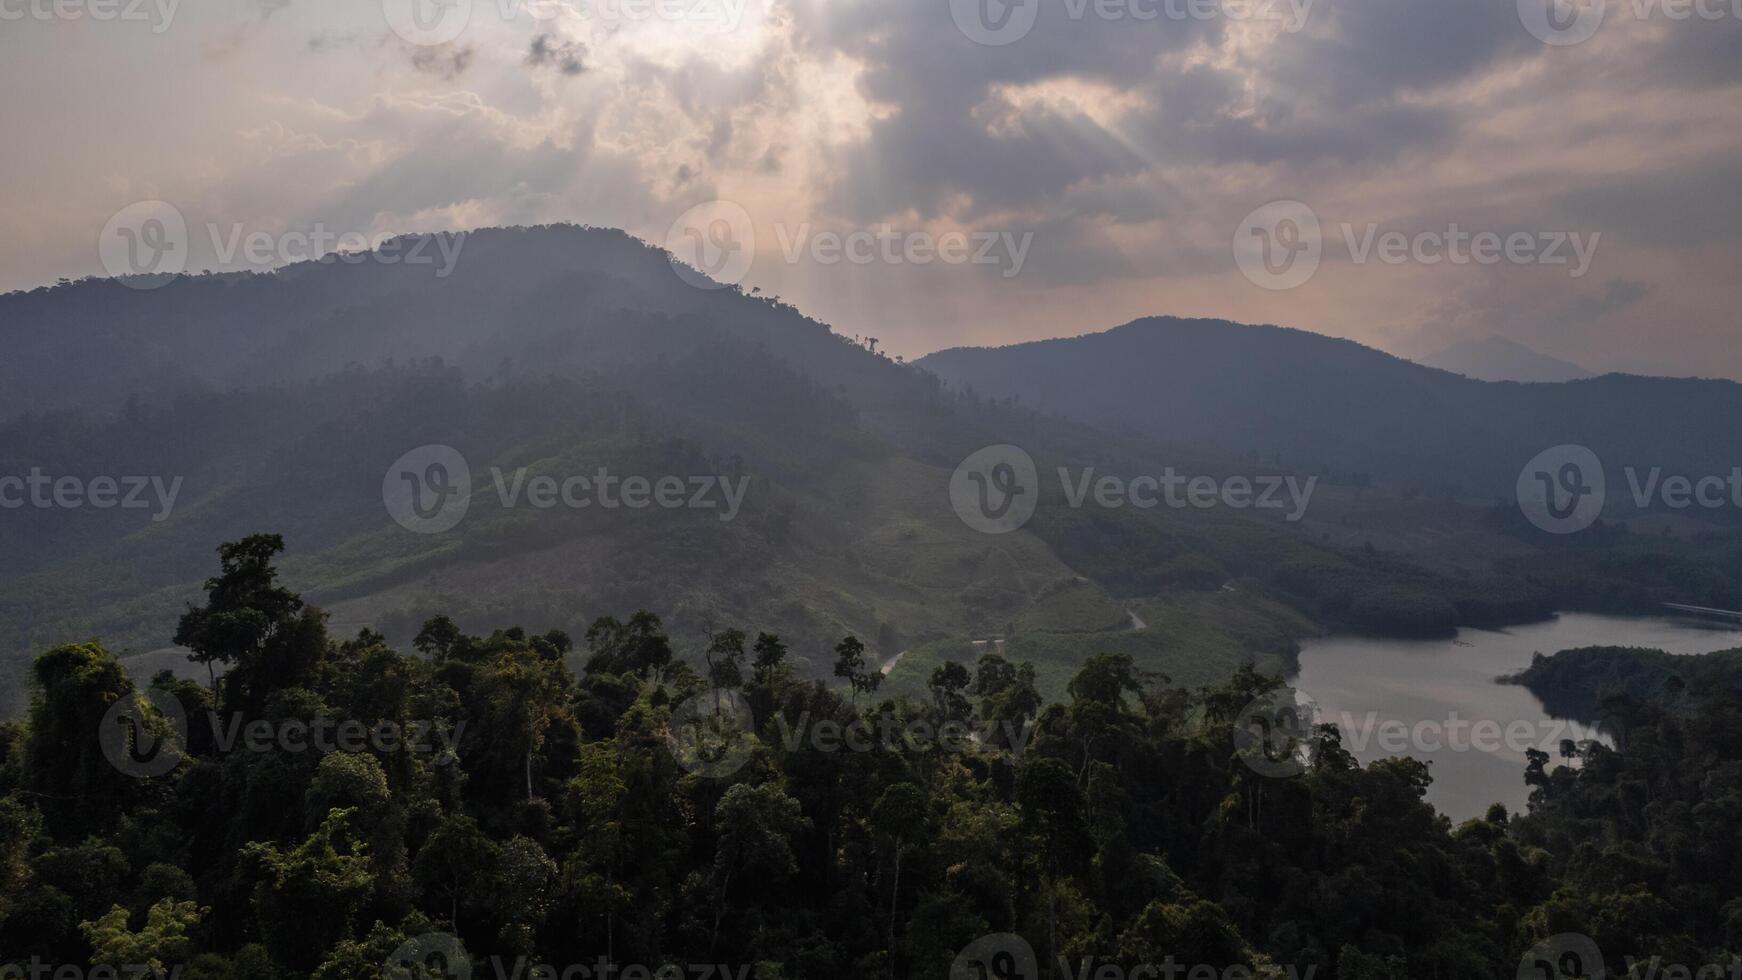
x: 902, y: 821
x: 851, y: 666
x: 756, y: 826
x: 253, y: 625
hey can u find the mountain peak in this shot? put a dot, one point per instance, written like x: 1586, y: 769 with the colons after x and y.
x: 1495, y: 358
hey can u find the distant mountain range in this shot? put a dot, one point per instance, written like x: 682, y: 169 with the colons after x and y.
x: 1315, y: 402
x: 1499, y: 359
x: 280, y: 402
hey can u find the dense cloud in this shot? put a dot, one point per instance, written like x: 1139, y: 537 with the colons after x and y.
x: 1129, y: 137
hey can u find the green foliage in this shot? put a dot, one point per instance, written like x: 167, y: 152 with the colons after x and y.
x: 246, y: 621
x: 163, y: 940
x: 306, y: 898
x: 1115, y: 823
x: 1580, y: 683
x: 851, y: 666
x: 74, y: 688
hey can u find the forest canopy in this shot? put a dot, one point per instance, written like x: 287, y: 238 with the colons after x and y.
x: 322, y: 807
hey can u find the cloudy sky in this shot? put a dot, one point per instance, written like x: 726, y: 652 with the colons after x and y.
x: 944, y: 172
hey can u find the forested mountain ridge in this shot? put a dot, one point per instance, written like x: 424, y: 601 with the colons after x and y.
x: 1324, y: 403
x: 553, y: 351
x: 552, y: 299
x: 557, y: 350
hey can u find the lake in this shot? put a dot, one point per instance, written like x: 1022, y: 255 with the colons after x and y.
x: 1437, y: 699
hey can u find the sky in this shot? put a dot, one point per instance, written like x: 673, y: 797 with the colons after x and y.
x: 1405, y: 173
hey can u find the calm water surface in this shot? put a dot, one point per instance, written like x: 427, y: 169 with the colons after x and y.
x: 1359, y: 683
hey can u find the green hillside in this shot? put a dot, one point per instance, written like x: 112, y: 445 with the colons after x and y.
x: 557, y: 351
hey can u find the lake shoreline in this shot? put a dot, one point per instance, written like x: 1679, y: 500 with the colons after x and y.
x: 1444, y: 687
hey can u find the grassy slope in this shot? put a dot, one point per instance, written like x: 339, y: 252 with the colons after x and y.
x: 1193, y: 638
